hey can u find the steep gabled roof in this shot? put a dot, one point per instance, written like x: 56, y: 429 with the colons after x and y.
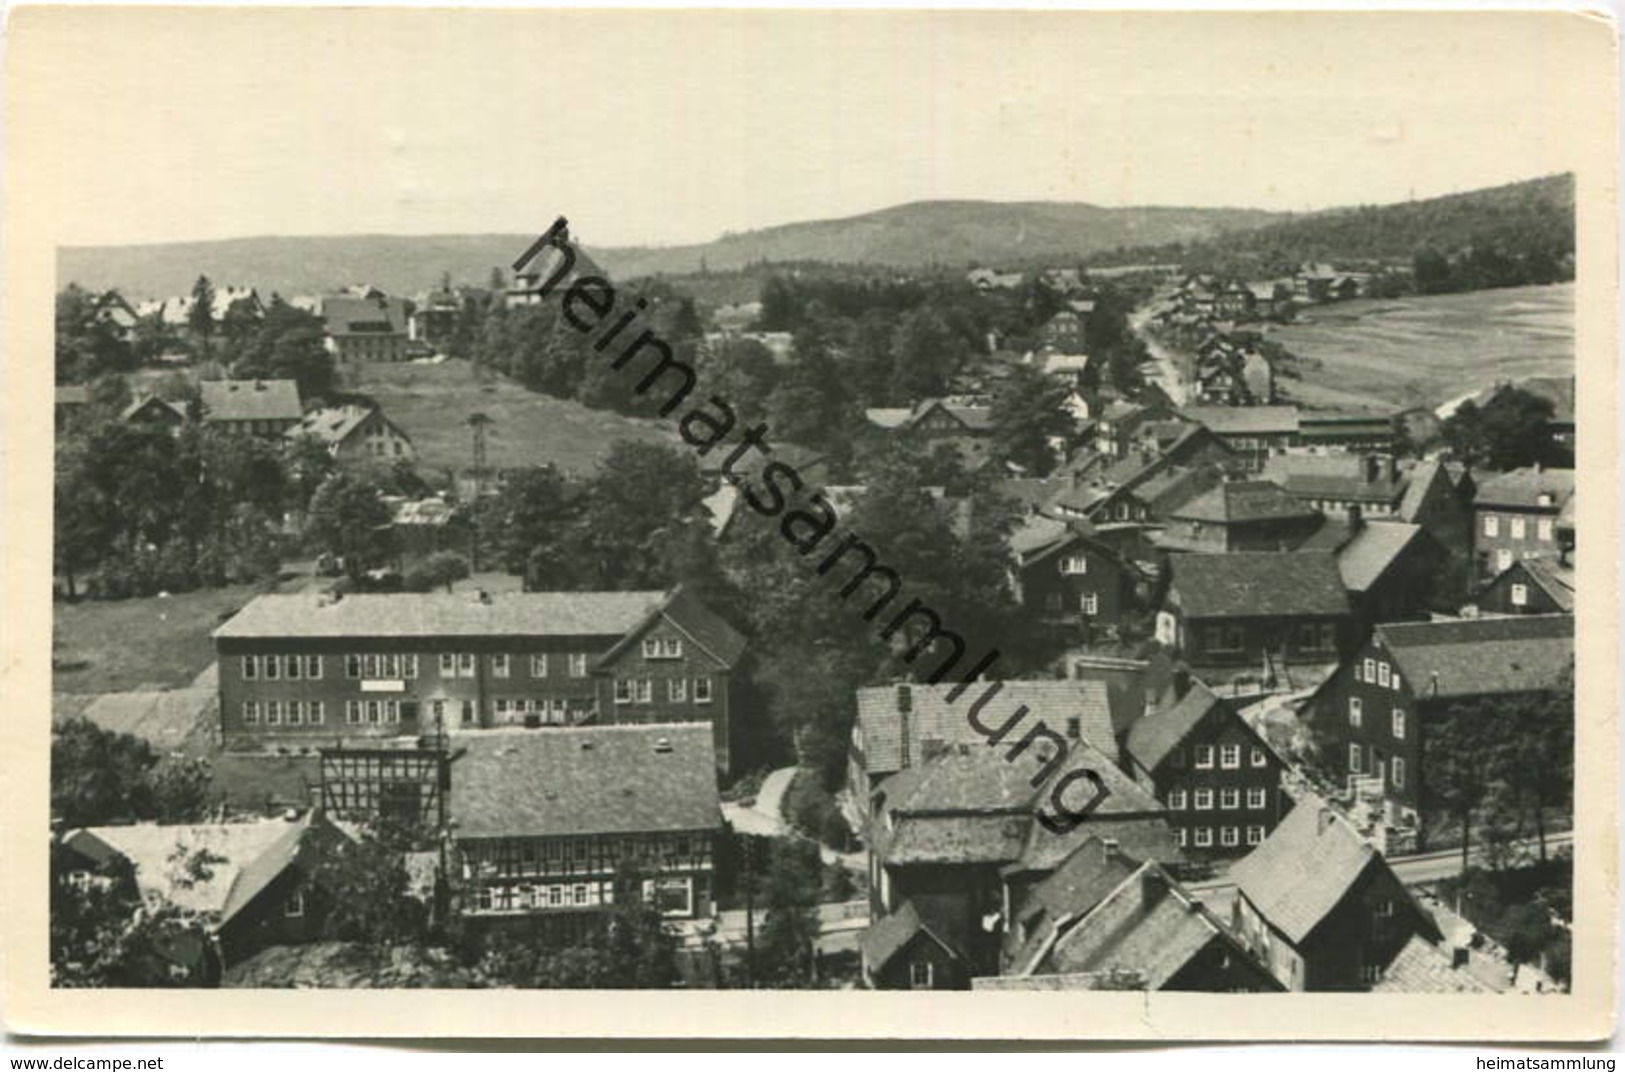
x: 1525, y: 488
x: 889, y: 935
x: 1372, y: 550
x: 1304, y: 869
x: 585, y: 780
x: 1154, y: 737
x: 1555, y: 578
x: 1259, y: 584
x: 1482, y: 656
x: 1423, y: 968
x: 332, y: 425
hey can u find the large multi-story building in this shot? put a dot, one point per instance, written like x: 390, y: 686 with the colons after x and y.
x: 559, y: 823
x: 303, y: 670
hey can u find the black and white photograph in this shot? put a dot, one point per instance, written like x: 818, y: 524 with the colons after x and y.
x: 859, y: 501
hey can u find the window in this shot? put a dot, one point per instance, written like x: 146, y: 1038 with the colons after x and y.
x: 1518, y: 529
x: 352, y: 712
x: 1356, y: 710
x: 578, y: 664
x: 1328, y: 636
x: 702, y: 690
x: 273, y: 668
x: 293, y: 667
x: 1383, y: 909
x: 677, y: 690
x: 375, y: 711
x: 251, y: 713
x: 1260, y: 758
x: 1204, y: 836
x: 1354, y: 759
x: 1399, y: 724
x: 1176, y: 800
x: 1090, y: 603
x: 500, y: 666
x: 538, y: 666
x: 1503, y: 559
x: 1370, y: 671
x: 1382, y: 674
x: 448, y: 664
x: 1396, y: 680
x: 251, y: 667
x: 1074, y: 565
x: 1229, y: 836
x: 1182, y: 837
x: 643, y: 691
x: 273, y: 713
x: 468, y: 712
x: 1398, y: 770
x: 465, y: 664
x: 1204, y: 800
x: 1204, y: 755
x: 1230, y: 756
x: 920, y: 974
x: 1543, y: 529
x: 313, y: 667
x: 296, y: 713
x: 1255, y: 835
x: 1520, y: 595
x: 662, y: 648
x: 389, y: 666
x: 1230, y: 798
x: 294, y: 907
x: 318, y: 712
x: 623, y: 690
x: 1492, y: 525
x: 409, y: 666
x: 1255, y: 798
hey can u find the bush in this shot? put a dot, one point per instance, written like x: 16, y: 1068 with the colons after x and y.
x: 811, y: 809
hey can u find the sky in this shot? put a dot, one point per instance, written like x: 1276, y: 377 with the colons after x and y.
x: 665, y: 128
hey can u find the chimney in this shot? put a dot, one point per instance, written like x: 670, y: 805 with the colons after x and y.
x: 1153, y: 886
x: 1112, y: 848
x: 1390, y: 468
x: 905, y: 699
x: 1355, y: 520
x: 1373, y: 466
x: 1327, y: 817
x: 1182, y: 683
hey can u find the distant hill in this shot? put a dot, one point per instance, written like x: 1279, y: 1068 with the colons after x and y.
x: 1522, y: 217
x: 954, y: 233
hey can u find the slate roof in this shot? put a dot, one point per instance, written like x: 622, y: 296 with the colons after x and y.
x: 893, y: 740
x: 1372, y: 550
x: 252, y: 853
x: 1259, y: 584
x: 1081, y: 882
x: 1555, y: 578
x: 702, y: 625
x: 1482, y: 656
x: 1303, y: 869
x: 332, y: 425
x: 436, y: 614
x: 1152, y: 738
x: 250, y: 400
x: 1423, y: 968
x: 584, y: 780
x: 177, y: 409
x: 1340, y: 476
x: 1523, y: 488
x: 1245, y: 420
x: 1240, y: 502
x: 1167, y: 491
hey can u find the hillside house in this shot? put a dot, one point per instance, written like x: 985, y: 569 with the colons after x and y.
x: 1071, y: 580
x: 265, y: 408
x: 354, y: 434
x: 1391, y: 569
x: 1267, y: 613
x: 1370, y: 718
x: 1219, y: 780
x: 1240, y: 515
x: 365, y: 328
x: 1320, y: 907
x: 1530, y: 586
x: 548, y: 824
x: 1516, y: 515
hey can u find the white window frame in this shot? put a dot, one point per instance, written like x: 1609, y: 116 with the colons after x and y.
x: 273, y: 712
x: 294, y: 906
x: 293, y: 668
x: 1520, y: 595
x: 1255, y: 835
x: 1383, y: 674
x: 578, y: 664
x: 677, y: 690
x: 251, y: 667
x: 1203, y: 799
x: 313, y: 668
x: 538, y: 666
x: 1230, y: 757
x: 1176, y: 800
x: 1074, y: 565
x: 1492, y: 525
x: 1230, y: 799
x: 448, y: 664
x: 501, y: 665
x: 1202, y: 757
x: 1089, y: 603
x: 317, y: 715
x: 271, y: 668
x: 914, y: 982
x: 1204, y: 837
x: 1397, y: 772
x: 703, y: 693
x: 1517, y: 529
x: 467, y: 664
x: 1356, y: 711
x: 662, y: 648
x: 623, y: 690
x: 1543, y: 530
x: 1182, y: 837
x: 353, y: 713
x: 1398, y: 723
x: 1503, y: 559
x: 1257, y: 798
x: 251, y: 713
x: 1229, y: 836
x: 1260, y: 758
x: 1356, y: 758
x: 643, y: 690
x: 1370, y: 667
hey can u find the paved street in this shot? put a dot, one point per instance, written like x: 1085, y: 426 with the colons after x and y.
x: 1167, y: 375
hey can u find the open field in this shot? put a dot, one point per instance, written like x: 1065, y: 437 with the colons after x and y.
x: 433, y: 402
x: 1425, y: 351
x: 128, y: 645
